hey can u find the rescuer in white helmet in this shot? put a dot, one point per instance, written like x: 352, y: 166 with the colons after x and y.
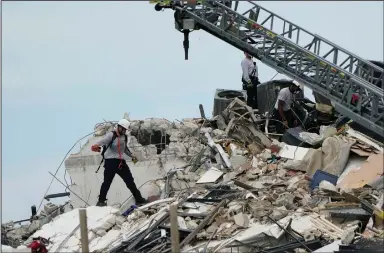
x: 282, y: 111
x: 114, y: 152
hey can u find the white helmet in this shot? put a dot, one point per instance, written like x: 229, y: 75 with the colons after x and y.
x: 296, y: 83
x: 124, y: 123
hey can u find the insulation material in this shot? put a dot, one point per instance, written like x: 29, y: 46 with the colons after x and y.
x: 335, y: 155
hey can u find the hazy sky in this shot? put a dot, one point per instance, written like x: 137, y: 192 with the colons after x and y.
x: 69, y: 65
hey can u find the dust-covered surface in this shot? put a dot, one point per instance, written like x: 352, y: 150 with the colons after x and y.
x: 237, y: 189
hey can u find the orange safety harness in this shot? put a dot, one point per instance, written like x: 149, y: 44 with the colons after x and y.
x: 118, y: 150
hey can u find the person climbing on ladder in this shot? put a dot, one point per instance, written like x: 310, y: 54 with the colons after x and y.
x: 250, y: 79
x: 114, y: 148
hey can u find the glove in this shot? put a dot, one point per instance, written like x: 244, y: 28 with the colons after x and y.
x: 134, y: 159
x: 249, y: 84
x: 96, y: 148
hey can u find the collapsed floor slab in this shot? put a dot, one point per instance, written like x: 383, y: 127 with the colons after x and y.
x: 159, y: 145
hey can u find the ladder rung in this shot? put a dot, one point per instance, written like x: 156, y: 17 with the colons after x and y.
x: 285, y: 51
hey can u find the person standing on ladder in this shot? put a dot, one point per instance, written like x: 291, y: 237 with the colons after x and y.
x: 114, y: 148
x: 250, y: 80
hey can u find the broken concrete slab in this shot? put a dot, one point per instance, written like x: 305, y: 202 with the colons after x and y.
x: 211, y: 176
x: 242, y: 220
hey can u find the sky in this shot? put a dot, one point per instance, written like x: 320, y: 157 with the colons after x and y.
x: 68, y: 65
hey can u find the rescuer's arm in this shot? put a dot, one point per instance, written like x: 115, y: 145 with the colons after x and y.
x: 245, y: 68
x: 103, y: 142
x: 128, y: 152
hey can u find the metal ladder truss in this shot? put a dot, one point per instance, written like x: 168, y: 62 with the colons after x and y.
x: 316, y: 44
x: 313, y: 43
x: 354, y: 96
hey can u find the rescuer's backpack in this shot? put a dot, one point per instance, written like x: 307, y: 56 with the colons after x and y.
x: 108, y: 146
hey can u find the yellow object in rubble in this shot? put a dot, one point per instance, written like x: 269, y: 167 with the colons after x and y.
x: 379, y: 214
x: 134, y: 160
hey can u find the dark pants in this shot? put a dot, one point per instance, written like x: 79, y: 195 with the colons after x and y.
x: 280, y: 128
x: 110, y: 170
x: 251, y: 92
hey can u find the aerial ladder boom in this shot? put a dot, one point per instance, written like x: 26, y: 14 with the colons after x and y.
x: 355, y: 85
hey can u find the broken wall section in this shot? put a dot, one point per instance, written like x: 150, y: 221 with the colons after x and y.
x: 160, y: 145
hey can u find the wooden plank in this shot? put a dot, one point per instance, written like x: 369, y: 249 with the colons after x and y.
x: 84, y: 230
x: 175, y: 238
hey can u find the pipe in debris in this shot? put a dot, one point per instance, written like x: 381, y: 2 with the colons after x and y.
x: 56, y: 195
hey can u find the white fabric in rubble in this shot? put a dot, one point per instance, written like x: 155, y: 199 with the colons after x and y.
x: 313, y: 138
x: 335, y: 155
x: 332, y: 157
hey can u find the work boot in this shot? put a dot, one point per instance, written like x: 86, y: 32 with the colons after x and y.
x: 101, y: 203
x: 141, y: 201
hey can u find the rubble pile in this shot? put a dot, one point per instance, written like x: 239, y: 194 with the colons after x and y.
x: 14, y: 235
x: 160, y: 137
x: 243, y: 191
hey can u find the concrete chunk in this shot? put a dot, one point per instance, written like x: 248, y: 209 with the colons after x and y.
x: 241, y: 220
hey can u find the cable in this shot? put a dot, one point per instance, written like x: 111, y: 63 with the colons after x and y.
x: 58, y: 168
x: 274, y: 76
x: 69, y: 189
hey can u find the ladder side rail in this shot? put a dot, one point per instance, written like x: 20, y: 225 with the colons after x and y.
x: 329, y: 86
x: 374, y: 90
x: 342, y: 72
x: 361, y: 65
x: 364, y: 67
x: 323, y: 88
x: 365, y: 82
